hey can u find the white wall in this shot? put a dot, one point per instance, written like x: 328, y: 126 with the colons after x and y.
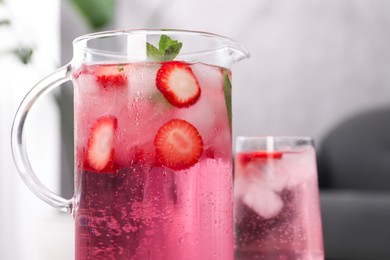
x: 30, y: 229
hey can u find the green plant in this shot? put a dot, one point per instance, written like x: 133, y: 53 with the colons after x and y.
x: 97, y: 13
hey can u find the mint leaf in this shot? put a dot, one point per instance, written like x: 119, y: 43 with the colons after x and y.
x: 167, y: 50
x: 158, y: 98
x: 164, y: 43
x: 152, y: 52
x: 227, y: 91
x: 172, y: 51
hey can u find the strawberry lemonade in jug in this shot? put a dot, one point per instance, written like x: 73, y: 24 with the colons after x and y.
x: 153, y: 161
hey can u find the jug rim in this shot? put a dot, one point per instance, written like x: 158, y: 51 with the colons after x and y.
x: 235, y: 50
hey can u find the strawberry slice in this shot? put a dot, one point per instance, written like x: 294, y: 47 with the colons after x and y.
x: 267, y: 154
x: 247, y: 157
x: 111, y: 75
x: 177, y: 83
x: 178, y: 144
x: 100, y: 150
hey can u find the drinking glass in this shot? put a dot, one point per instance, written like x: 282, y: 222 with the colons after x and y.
x: 153, y: 160
x: 276, y: 196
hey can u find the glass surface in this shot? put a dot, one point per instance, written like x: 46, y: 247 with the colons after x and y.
x: 277, y: 212
x: 153, y: 160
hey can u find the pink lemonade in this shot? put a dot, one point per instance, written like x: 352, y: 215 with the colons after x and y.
x: 153, y: 162
x: 277, y: 213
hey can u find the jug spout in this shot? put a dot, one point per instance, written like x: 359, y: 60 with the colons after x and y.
x: 234, y: 52
x: 238, y: 52
x: 213, y: 49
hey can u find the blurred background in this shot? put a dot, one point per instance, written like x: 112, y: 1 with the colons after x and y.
x: 314, y: 65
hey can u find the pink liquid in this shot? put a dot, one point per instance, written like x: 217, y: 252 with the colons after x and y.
x: 138, y: 208
x: 277, y: 210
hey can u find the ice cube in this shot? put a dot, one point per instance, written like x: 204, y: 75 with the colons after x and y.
x: 301, y: 167
x: 208, y: 76
x: 202, y: 115
x: 276, y: 175
x: 264, y: 201
x: 137, y: 130
x: 258, y: 196
x: 142, y: 80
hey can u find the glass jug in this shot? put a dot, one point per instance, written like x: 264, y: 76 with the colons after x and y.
x: 153, y: 157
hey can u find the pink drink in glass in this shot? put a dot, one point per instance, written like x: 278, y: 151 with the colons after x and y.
x: 153, y: 176
x: 277, y: 213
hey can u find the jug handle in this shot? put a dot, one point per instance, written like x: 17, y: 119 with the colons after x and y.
x: 18, y: 138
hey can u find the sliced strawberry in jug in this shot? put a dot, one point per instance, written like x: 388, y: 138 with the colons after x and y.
x: 111, y: 75
x: 100, y: 149
x: 178, y: 144
x: 178, y: 84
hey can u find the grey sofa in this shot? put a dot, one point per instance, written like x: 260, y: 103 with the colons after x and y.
x: 354, y: 177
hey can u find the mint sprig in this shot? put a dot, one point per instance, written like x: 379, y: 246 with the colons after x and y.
x: 227, y: 91
x: 167, y: 50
